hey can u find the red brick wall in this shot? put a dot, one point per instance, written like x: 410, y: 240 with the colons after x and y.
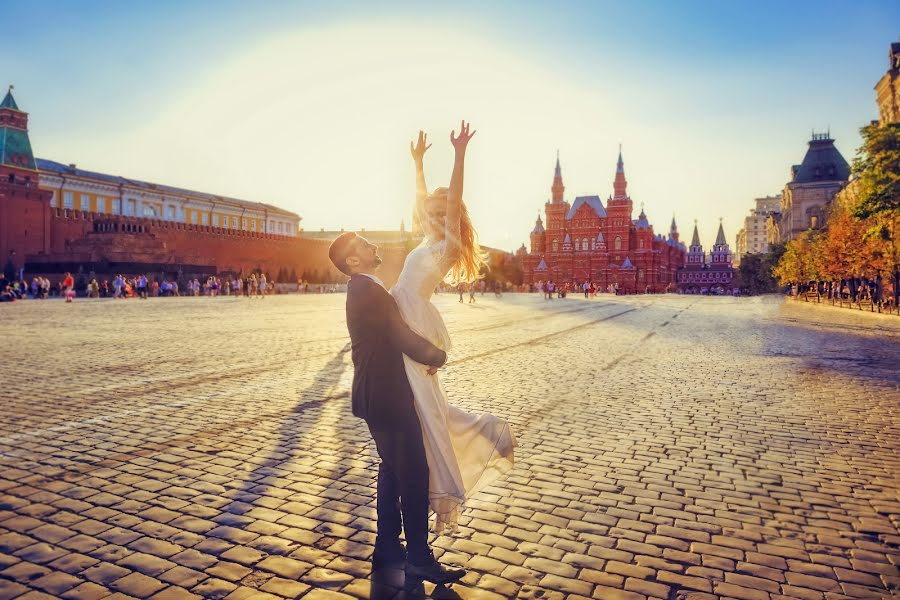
x: 50, y: 230
x: 24, y: 222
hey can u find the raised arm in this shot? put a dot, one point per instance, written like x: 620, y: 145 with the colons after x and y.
x: 418, y: 154
x: 455, y: 193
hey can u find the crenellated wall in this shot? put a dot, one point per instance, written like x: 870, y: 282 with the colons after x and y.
x: 114, y: 243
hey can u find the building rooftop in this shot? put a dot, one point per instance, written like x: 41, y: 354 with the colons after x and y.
x: 823, y: 162
x: 593, y: 201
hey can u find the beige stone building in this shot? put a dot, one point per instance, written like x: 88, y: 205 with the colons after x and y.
x: 752, y: 239
x: 813, y: 185
x: 887, y: 90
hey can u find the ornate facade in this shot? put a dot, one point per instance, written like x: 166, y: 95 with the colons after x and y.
x: 698, y: 275
x: 887, y: 90
x: 813, y: 185
x: 587, y: 241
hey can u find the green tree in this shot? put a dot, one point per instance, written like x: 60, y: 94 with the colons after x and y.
x: 877, y: 167
x: 756, y: 270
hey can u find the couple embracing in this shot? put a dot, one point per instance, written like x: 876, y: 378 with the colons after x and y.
x: 433, y: 455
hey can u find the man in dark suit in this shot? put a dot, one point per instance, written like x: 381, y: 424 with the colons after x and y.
x: 382, y: 396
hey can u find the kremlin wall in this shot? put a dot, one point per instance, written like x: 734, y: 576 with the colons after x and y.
x: 56, y: 218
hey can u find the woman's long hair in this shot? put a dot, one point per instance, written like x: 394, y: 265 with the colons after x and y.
x: 471, y: 261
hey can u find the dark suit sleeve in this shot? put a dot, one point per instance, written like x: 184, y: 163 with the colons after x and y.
x: 407, y: 341
x: 362, y: 320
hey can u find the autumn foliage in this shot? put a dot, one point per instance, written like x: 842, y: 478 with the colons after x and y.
x: 861, y: 241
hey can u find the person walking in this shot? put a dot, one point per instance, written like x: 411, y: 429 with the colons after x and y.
x: 68, y: 286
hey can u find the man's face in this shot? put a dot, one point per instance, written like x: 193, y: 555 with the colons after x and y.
x: 363, y: 255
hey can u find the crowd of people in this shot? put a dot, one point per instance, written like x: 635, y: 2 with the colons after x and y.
x: 551, y: 288
x: 143, y: 286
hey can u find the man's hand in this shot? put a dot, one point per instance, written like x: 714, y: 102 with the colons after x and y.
x: 418, y: 151
x: 432, y: 370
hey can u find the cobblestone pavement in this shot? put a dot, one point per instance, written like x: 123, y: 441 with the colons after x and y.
x: 670, y: 447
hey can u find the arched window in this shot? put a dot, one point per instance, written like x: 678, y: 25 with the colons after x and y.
x: 555, y: 245
x: 618, y: 243
x: 640, y: 243
x: 584, y: 244
x: 150, y: 211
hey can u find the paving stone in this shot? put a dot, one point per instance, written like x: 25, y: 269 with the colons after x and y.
x: 105, y: 573
x: 229, y: 571
x: 56, y: 583
x: 213, y: 588
x: 86, y: 591
x: 138, y: 585
x: 286, y: 567
x: 24, y: 572
x: 11, y: 589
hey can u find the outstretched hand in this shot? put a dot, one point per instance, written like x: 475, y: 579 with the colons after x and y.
x: 418, y: 151
x: 462, y: 140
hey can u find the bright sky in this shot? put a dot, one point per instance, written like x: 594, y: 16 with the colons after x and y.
x: 311, y: 106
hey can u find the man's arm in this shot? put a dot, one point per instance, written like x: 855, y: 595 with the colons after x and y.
x: 410, y: 343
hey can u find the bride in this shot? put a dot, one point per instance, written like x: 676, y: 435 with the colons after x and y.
x: 465, y: 451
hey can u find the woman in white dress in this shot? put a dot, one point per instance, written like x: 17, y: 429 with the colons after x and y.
x: 465, y: 451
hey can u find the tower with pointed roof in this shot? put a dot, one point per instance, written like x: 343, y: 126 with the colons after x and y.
x: 16, y: 156
x: 673, y: 230
x: 538, y: 237
x: 24, y: 207
x: 557, y: 189
x: 556, y: 210
x: 619, y: 209
x: 721, y: 253
x: 695, y: 255
x: 697, y: 276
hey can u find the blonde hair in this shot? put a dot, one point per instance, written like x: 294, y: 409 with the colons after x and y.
x: 467, y: 268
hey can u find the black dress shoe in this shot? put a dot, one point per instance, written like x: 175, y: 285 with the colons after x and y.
x: 389, y: 556
x: 433, y: 572
x: 415, y: 592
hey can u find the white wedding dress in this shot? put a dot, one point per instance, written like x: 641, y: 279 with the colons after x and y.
x: 465, y: 451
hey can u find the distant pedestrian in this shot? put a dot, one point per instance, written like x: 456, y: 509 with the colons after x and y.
x: 68, y: 287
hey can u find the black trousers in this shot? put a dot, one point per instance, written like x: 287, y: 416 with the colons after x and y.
x: 402, y: 492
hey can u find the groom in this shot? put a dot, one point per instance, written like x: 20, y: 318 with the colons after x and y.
x: 382, y: 396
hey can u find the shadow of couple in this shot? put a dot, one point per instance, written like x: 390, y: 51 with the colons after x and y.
x: 387, y: 584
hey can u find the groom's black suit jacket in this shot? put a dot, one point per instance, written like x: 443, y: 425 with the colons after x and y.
x: 380, y: 338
